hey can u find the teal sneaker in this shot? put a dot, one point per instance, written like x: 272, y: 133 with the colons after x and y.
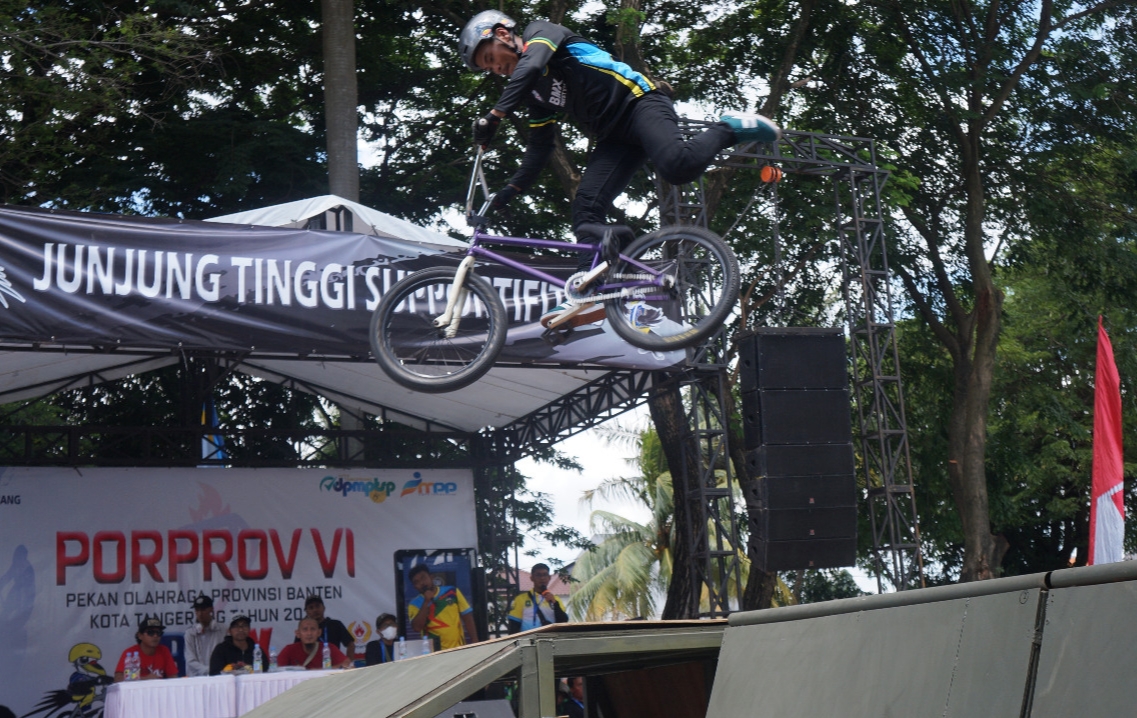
x: 567, y: 315
x: 749, y: 127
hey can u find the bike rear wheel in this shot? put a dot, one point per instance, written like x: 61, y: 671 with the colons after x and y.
x: 705, y: 289
x: 418, y: 355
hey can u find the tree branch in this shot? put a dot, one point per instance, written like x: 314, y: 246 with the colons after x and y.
x: 1032, y: 55
x: 932, y: 78
x: 942, y: 332
x: 779, y: 81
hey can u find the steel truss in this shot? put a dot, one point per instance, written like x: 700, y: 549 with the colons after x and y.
x: 851, y: 165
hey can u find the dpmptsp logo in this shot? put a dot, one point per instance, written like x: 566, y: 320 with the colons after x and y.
x: 418, y: 487
x: 374, y: 489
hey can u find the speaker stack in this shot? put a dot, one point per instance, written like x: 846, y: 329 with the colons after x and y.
x: 796, y: 423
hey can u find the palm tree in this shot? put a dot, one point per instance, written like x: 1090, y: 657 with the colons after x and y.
x: 631, y: 565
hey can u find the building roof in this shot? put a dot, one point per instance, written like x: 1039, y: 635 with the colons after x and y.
x: 557, y: 585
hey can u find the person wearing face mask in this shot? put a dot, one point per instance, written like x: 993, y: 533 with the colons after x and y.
x: 383, y: 649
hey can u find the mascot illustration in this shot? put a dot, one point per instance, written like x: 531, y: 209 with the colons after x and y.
x: 83, y: 697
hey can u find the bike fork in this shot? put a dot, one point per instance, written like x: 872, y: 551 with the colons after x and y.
x: 457, y: 299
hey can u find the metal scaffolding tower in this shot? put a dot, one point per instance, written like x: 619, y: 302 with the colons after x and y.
x: 851, y: 165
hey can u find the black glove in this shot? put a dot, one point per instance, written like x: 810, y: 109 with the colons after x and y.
x: 485, y: 128
x: 502, y: 197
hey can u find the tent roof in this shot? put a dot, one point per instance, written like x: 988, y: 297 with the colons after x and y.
x: 499, y: 399
x: 423, y: 687
x: 379, y: 224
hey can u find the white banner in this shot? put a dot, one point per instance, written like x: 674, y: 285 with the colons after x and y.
x: 86, y: 553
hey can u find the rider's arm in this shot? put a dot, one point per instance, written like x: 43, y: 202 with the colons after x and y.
x: 542, y: 142
x: 541, y: 40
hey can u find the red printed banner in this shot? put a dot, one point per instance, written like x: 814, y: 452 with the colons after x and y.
x: 85, y: 554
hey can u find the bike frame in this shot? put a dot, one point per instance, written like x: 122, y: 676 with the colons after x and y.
x: 477, y: 249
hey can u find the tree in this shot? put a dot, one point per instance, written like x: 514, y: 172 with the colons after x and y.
x: 959, y: 92
x: 631, y: 566
x: 960, y: 69
x: 1082, y: 262
x: 75, y: 75
x: 341, y: 97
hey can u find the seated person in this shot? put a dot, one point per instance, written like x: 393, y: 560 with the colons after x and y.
x: 235, y: 653
x: 382, y: 650
x: 155, y: 660
x: 309, y: 650
x: 205, y: 635
x: 331, y: 630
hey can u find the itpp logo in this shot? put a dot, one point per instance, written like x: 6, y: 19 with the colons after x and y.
x: 416, y: 486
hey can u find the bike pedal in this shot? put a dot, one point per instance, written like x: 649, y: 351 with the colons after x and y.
x: 555, y: 336
x: 564, y: 317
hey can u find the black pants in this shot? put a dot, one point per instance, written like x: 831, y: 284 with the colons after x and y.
x: 649, y: 130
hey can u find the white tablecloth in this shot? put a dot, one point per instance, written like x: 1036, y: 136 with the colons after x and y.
x: 205, y: 697
x: 254, y: 689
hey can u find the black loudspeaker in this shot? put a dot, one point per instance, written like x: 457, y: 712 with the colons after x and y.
x: 792, y: 555
x: 796, y: 419
x: 801, y: 492
x: 792, y: 358
x: 800, y: 460
x: 796, y: 416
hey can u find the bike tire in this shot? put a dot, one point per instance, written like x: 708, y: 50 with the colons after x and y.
x: 416, y: 354
x: 705, y: 292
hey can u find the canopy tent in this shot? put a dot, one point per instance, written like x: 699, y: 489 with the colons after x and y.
x: 88, y: 298
x: 337, y: 213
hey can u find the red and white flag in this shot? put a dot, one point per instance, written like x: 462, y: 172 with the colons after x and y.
x: 1107, y: 505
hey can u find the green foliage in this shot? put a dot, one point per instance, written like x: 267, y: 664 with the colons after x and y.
x: 183, y: 110
x: 629, y: 569
x: 827, y: 585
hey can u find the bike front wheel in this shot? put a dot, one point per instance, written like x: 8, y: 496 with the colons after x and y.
x: 702, y: 288
x: 420, y: 356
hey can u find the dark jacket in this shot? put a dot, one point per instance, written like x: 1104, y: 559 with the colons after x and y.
x: 379, y: 652
x: 227, y: 652
x: 560, y: 73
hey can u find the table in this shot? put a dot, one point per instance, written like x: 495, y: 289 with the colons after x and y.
x: 204, y: 697
x: 256, y: 688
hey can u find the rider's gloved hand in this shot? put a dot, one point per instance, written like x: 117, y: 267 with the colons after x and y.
x: 502, y: 197
x: 485, y: 128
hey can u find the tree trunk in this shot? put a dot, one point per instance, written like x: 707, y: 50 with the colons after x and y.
x: 666, y: 405
x: 977, y: 337
x: 341, y: 97
x: 759, y: 591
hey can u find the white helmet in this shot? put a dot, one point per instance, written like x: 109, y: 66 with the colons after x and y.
x: 480, y: 28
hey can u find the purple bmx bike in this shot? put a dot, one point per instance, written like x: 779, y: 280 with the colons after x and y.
x: 440, y: 329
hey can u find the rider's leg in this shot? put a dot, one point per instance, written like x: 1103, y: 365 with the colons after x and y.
x: 610, y: 168
x: 678, y: 160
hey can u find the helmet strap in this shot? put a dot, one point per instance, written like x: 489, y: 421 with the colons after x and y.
x: 513, y: 44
